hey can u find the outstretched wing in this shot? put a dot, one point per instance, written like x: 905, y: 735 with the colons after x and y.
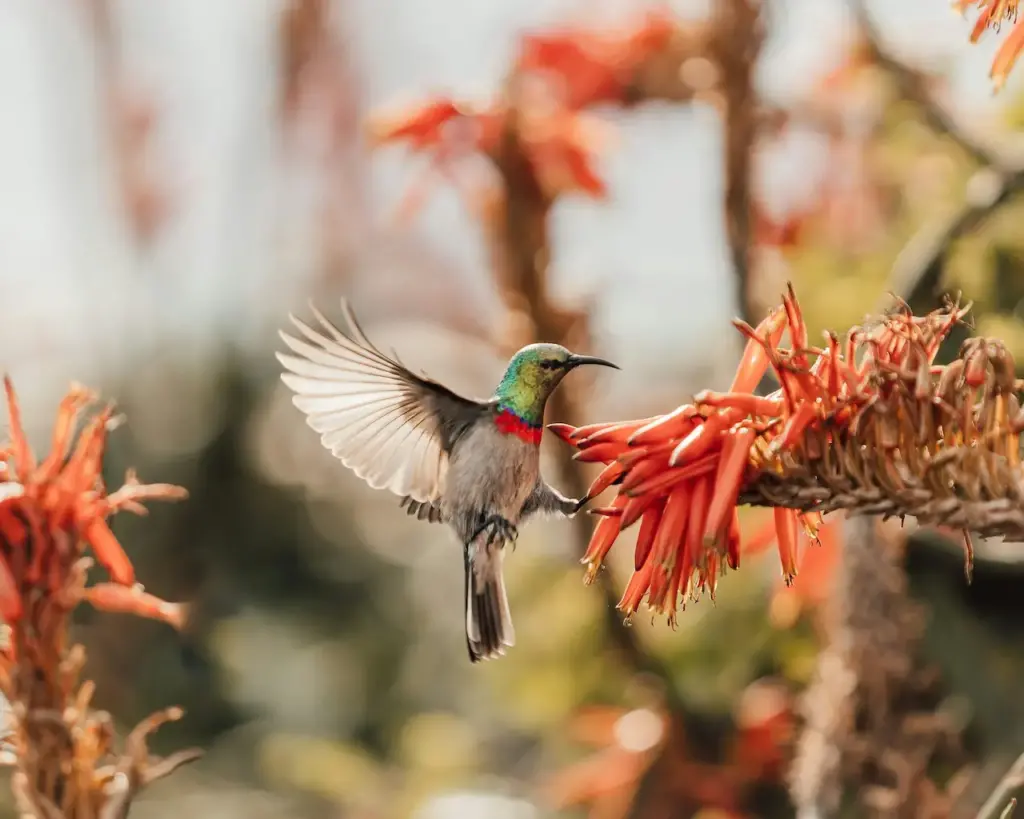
x: 392, y: 428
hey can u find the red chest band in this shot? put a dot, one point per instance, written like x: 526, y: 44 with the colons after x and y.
x: 508, y: 423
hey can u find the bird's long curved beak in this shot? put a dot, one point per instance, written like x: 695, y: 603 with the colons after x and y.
x: 575, y: 361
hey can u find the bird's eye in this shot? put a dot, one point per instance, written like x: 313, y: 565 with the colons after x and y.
x: 549, y: 364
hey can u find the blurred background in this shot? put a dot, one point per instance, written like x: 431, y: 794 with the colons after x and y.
x: 175, y: 177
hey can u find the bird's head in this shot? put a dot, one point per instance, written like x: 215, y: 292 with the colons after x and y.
x: 532, y: 375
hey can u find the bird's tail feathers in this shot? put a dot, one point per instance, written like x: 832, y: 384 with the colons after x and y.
x: 489, y: 628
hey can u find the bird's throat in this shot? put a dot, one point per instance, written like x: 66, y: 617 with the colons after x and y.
x: 509, y: 422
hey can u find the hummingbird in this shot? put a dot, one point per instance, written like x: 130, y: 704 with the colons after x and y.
x: 473, y: 465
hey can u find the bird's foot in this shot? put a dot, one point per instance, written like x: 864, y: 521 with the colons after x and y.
x: 499, y: 531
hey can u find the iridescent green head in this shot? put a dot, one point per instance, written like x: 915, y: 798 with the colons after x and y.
x: 532, y: 375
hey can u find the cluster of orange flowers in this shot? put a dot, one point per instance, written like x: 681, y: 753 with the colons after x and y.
x: 555, y: 77
x: 51, y: 513
x: 634, y: 745
x: 682, y: 475
x: 992, y: 14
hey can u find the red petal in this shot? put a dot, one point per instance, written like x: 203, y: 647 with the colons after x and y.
x: 420, y: 125
x: 24, y: 460
x: 108, y: 551
x: 645, y: 539
x: 563, y: 431
x: 133, y: 600
x: 10, y: 596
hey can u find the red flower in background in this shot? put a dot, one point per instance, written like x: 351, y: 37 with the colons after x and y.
x: 816, y: 567
x: 782, y: 233
x: 559, y: 143
x: 765, y: 728
x: 627, y: 742
x: 556, y: 75
x: 593, y: 67
x: 634, y: 745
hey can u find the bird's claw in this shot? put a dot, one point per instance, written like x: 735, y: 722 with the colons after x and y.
x: 499, y: 531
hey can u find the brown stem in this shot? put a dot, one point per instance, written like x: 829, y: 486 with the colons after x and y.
x: 39, y: 695
x: 738, y: 35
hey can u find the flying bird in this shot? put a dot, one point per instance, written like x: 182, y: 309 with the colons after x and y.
x: 474, y: 465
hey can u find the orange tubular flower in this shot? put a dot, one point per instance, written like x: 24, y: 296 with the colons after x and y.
x: 1006, y: 56
x: 682, y: 475
x: 992, y: 14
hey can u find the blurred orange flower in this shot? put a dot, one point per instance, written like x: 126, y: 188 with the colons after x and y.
x: 50, y: 511
x: 607, y: 781
x: 782, y: 233
x: 765, y: 729
x: 594, y: 67
x: 559, y: 144
x: 817, y: 566
x: 631, y: 743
